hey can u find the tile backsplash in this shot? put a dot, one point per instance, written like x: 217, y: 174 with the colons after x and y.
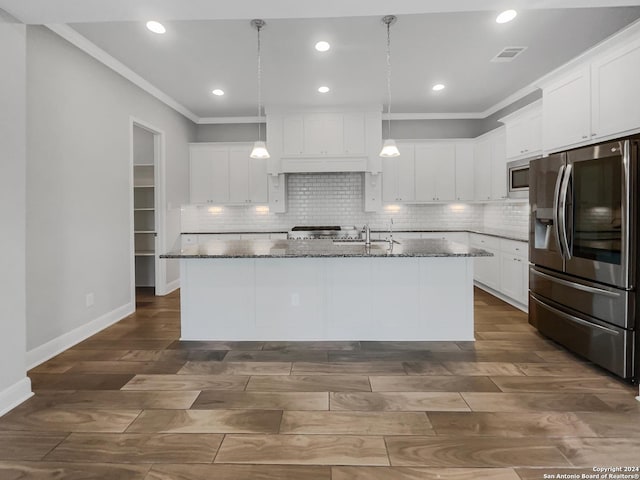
x: 337, y: 199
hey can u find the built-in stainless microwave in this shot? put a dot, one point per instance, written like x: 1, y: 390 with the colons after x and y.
x: 518, y: 179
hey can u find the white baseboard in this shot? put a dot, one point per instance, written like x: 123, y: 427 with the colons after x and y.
x: 170, y: 287
x: 504, y: 298
x: 14, y: 395
x: 53, y: 347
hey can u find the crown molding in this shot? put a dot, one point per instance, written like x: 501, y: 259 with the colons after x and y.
x: 73, y: 37
x: 222, y: 120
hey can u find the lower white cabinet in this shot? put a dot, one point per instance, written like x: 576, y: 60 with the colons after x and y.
x: 507, y: 272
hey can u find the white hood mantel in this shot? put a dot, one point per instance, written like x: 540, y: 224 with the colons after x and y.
x: 324, y: 141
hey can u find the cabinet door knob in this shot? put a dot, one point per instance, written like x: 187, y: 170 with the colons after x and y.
x: 594, y: 134
x: 585, y: 136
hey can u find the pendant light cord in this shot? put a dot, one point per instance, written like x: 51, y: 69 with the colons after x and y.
x: 259, y: 87
x: 389, y: 79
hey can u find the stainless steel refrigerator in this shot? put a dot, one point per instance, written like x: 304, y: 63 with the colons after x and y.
x: 583, y: 250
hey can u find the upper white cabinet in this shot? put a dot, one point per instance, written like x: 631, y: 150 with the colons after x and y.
x: 491, y: 166
x: 465, y: 172
x: 524, y: 131
x: 566, y: 110
x: 595, y: 102
x: 341, y: 141
x: 398, y: 173
x: 615, y: 91
x: 429, y: 171
x: 435, y: 172
x: 225, y: 174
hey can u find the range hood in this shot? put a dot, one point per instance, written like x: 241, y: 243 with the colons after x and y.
x: 326, y: 164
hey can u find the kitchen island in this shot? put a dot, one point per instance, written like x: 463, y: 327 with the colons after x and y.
x: 327, y: 290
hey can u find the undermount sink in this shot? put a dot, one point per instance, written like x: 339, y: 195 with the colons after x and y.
x: 374, y: 243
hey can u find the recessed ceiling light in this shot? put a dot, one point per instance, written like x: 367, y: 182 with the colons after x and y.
x: 506, y: 16
x: 156, y: 27
x: 322, y: 46
x: 437, y: 87
x: 324, y: 89
x: 218, y: 92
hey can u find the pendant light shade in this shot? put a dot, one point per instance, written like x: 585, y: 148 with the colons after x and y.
x: 389, y: 148
x: 259, y: 147
x: 259, y: 150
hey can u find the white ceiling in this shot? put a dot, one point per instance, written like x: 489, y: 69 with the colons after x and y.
x: 454, y: 48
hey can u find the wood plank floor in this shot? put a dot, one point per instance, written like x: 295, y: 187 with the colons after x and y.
x: 135, y: 403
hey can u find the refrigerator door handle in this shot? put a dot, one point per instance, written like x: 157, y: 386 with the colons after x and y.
x: 573, y: 318
x: 577, y: 286
x: 562, y: 205
x: 556, y: 199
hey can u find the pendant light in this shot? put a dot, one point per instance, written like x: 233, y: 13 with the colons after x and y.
x: 389, y: 148
x: 259, y: 147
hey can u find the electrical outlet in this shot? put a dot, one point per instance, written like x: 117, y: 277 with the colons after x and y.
x: 295, y: 299
x: 89, y: 300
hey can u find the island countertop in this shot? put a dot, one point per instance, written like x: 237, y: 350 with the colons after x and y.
x: 264, y: 248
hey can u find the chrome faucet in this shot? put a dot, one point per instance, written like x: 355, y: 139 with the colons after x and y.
x: 367, y: 235
x: 391, y: 233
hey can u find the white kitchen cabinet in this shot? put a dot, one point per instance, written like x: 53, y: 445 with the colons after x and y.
x: 566, y: 110
x: 514, y: 270
x: 524, y: 131
x: 321, y: 134
x: 435, y: 172
x: 465, y: 172
x: 225, y: 174
x: 398, y: 183
x: 487, y: 269
x: 482, y: 161
x: 491, y: 166
x: 615, y: 94
x: 507, y: 272
x: 498, y: 166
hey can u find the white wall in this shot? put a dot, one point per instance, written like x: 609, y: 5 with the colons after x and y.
x: 79, y: 191
x: 14, y: 384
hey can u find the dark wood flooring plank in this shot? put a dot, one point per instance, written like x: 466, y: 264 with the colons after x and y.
x: 433, y: 383
x: 424, y: 368
x: 356, y: 423
x: 416, y: 473
x: 320, y: 345
x: 187, y: 382
x: 348, y: 368
x: 71, y: 471
x: 137, y: 448
x: 511, y: 424
x: 239, y: 472
x: 78, y: 381
x: 443, y: 451
x: 558, y: 473
x: 277, y: 356
x: 588, y: 452
x: 312, y: 383
x: 121, y: 366
x: 559, y: 384
x: 68, y: 420
x: 398, y: 402
x: 172, y: 355
x: 236, y: 368
x: 211, y: 399
x: 483, y: 368
x: 207, y: 345
x: 207, y: 421
x: 28, y: 445
x: 535, y: 402
x: 385, y: 346
x: 303, y: 450
x: 128, y: 399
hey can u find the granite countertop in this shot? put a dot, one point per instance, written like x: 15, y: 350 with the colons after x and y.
x: 325, y: 248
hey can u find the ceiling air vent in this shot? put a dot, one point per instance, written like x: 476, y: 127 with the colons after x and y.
x: 508, y: 53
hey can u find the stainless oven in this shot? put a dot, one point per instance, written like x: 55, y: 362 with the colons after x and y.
x: 518, y: 179
x: 583, y: 251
